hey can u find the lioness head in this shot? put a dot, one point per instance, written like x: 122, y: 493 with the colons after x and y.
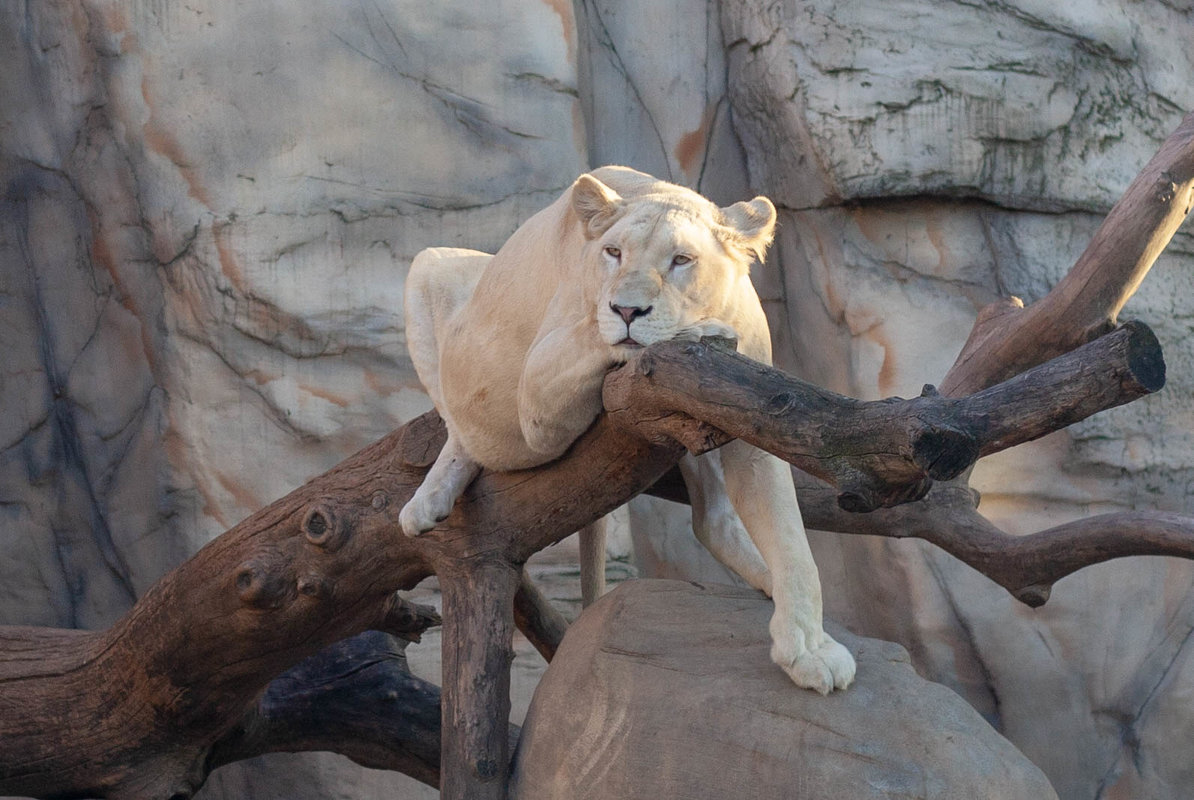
x: 668, y: 259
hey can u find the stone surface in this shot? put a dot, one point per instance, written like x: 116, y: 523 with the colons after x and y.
x: 665, y: 689
x: 928, y: 169
x: 993, y: 100
x: 208, y: 209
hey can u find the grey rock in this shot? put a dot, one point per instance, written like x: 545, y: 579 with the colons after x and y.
x: 665, y: 689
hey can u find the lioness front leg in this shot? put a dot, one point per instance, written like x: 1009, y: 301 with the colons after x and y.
x: 706, y: 327
x: 715, y: 522
x: 761, y: 490
x: 559, y: 392
x: 447, y: 479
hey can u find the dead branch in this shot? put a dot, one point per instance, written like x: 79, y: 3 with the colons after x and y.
x: 878, y: 454
x: 1026, y: 565
x: 1008, y: 338
x: 356, y: 698
x: 144, y: 709
x: 174, y: 677
x: 537, y: 618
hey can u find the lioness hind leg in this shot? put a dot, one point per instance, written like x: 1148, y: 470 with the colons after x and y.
x: 592, y: 562
x: 760, y: 487
x: 447, y: 479
x: 440, y: 281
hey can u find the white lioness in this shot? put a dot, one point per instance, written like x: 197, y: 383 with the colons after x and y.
x: 513, y: 349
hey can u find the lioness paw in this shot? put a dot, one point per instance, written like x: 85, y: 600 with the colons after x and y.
x: 824, y: 668
x: 423, y: 512
x: 707, y: 327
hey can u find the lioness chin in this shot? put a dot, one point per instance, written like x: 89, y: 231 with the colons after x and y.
x: 513, y: 349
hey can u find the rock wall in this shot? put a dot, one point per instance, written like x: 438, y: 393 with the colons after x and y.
x: 927, y: 165
x: 208, y: 209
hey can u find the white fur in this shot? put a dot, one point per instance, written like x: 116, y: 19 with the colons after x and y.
x: 513, y: 349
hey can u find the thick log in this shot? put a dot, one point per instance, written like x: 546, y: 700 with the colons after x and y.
x: 879, y: 454
x: 136, y: 711
x: 477, y: 652
x: 356, y: 698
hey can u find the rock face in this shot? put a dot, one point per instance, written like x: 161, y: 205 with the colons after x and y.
x: 208, y: 209
x: 928, y: 166
x: 665, y: 689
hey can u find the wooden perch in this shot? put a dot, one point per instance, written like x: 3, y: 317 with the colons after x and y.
x: 144, y: 709
x: 879, y: 454
x: 167, y: 684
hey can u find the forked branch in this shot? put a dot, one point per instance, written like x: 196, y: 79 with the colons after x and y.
x: 878, y: 454
x: 164, y: 685
x: 1008, y: 338
x: 144, y: 709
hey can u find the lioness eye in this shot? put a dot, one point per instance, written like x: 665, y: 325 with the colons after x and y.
x: 613, y: 252
x: 680, y: 261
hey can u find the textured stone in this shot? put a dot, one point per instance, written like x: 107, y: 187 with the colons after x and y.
x: 930, y: 167
x: 994, y: 100
x: 664, y: 689
x: 208, y: 209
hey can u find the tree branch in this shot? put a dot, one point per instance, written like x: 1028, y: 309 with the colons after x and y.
x: 175, y: 676
x: 144, y: 709
x: 1026, y: 565
x: 537, y: 618
x: 356, y: 698
x: 1008, y: 339
x: 878, y: 454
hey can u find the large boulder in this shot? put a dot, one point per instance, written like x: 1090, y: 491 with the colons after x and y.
x: 665, y: 689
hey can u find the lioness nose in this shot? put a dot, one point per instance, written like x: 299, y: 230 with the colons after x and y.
x: 630, y: 313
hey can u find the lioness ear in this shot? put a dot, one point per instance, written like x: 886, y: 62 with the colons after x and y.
x: 596, y: 204
x: 751, y: 224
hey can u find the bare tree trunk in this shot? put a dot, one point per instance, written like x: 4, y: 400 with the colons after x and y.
x: 137, y: 711
x: 477, y: 652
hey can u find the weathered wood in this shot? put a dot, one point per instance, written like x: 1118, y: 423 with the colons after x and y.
x: 134, y: 711
x: 537, y: 618
x: 879, y: 454
x: 138, y: 711
x: 1026, y: 565
x: 356, y: 698
x: 324, y: 562
x: 477, y: 652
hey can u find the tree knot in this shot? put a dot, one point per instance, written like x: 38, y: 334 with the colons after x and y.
x: 325, y: 528
x: 263, y: 583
